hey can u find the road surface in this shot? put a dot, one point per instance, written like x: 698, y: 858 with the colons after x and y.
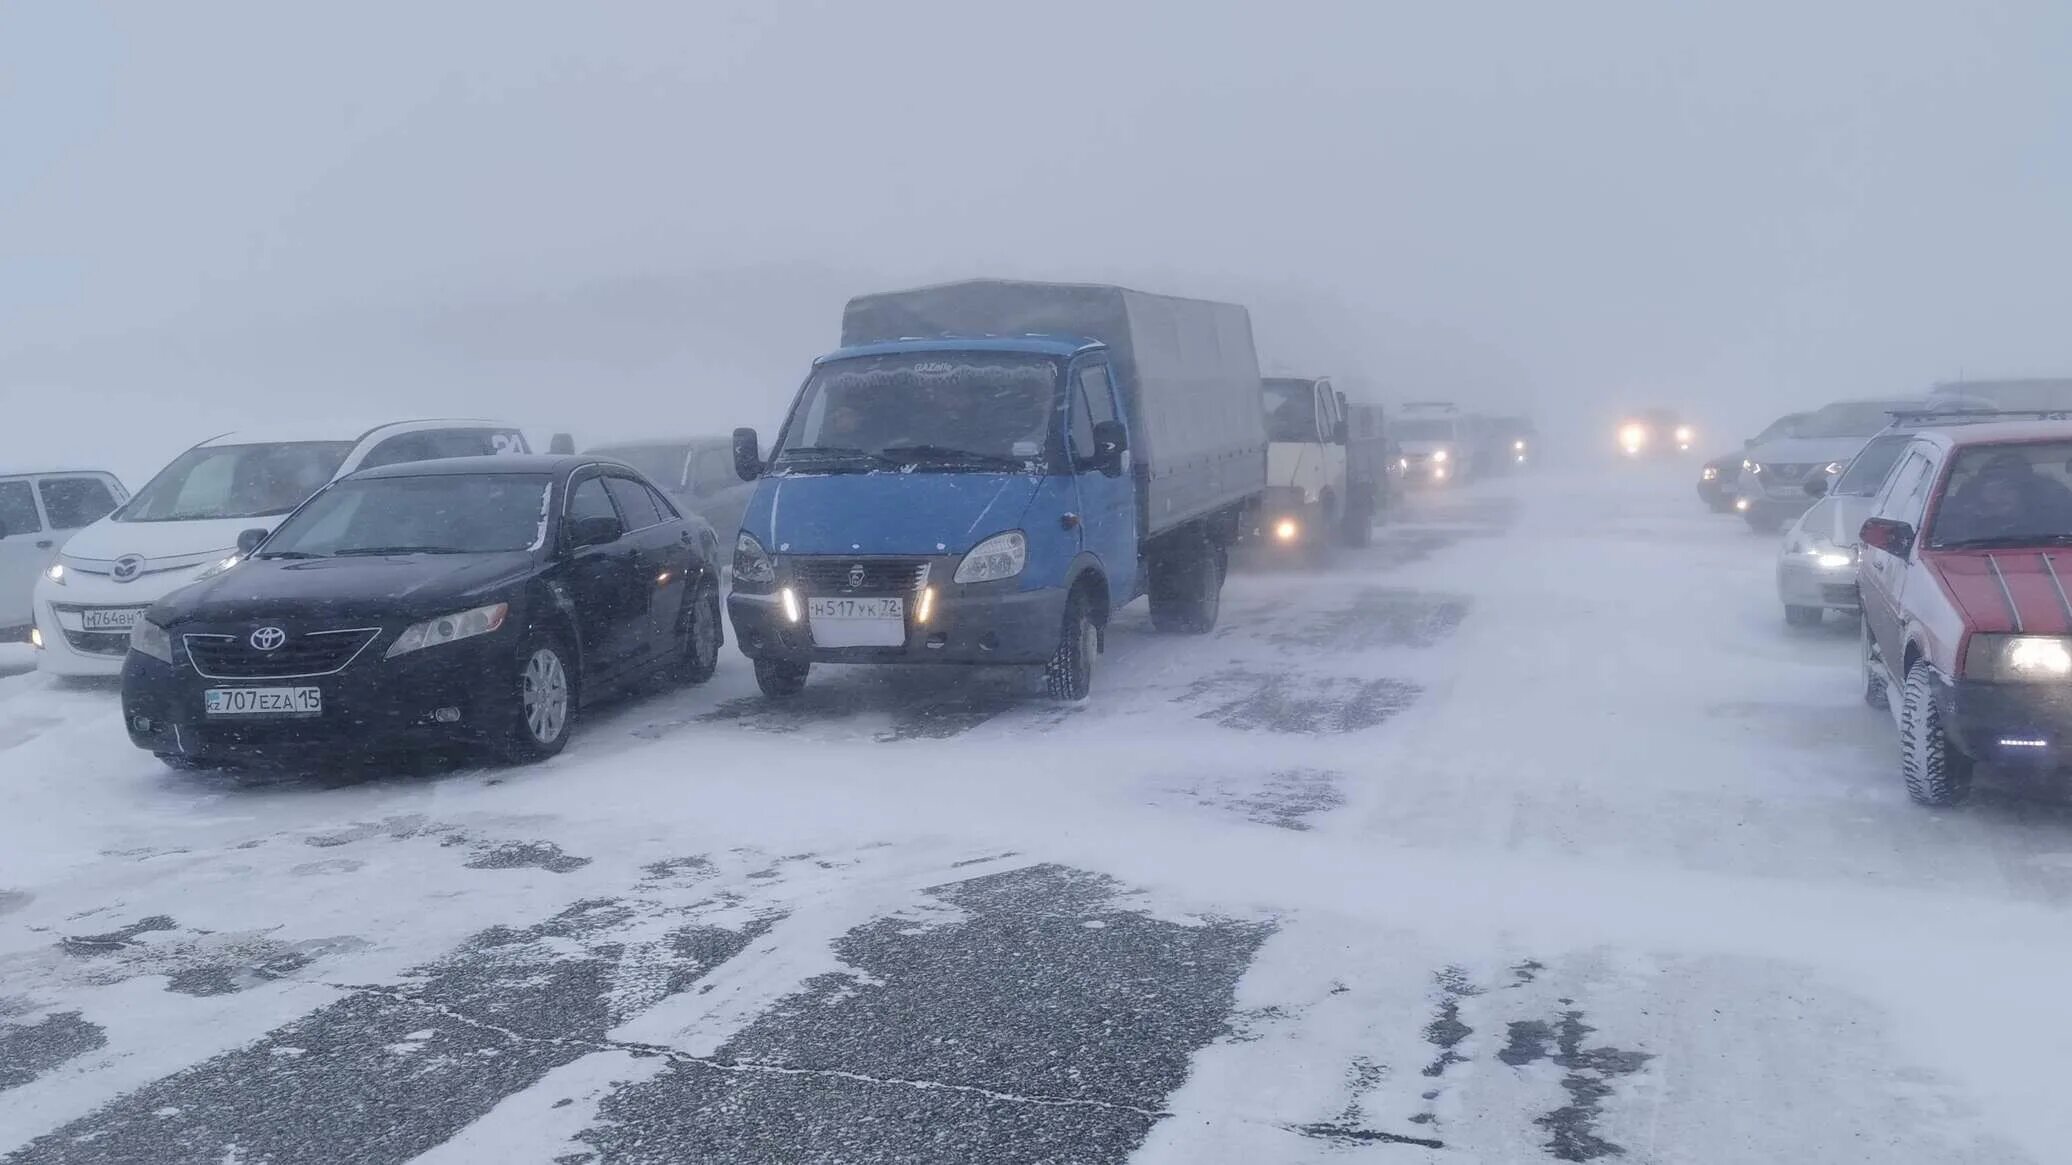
x: 1529, y: 833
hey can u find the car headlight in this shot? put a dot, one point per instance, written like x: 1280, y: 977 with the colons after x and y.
x: 152, y: 640
x: 1754, y: 467
x: 56, y: 573
x: 751, y: 563
x: 1832, y: 468
x: 216, y: 568
x: 1633, y: 434
x: 449, y: 629
x: 1684, y: 434
x: 2018, y: 657
x: 998, y: 557
x: 1440, y: 455
x: 1709, y: 473
x: 1517, y: 446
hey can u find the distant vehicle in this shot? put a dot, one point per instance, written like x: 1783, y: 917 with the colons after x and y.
x: 1771, y: 488
x: 1719, y: 478
x: 990, y: 494
x: 38, y: 513
x: 697, y: 472
x: 476, y: 602
x: 1326, y: 465
x: 1655, y: 432
x: 1966, y: 615
x: 1432, y: 442
x: 1816, y: 563
x: 1515, y: 443
x: 184, y: 524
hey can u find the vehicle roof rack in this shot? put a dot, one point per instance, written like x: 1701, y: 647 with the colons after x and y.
x: 1975, y: 416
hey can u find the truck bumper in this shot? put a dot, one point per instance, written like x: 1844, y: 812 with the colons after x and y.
x: 965, y: 627
x: 2009, y: 723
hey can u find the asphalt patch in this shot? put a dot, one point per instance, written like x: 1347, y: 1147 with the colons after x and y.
x: 1380, y: 618
x: 90, y: 946
x: 29, y: 1050
x: 920, y: 704
x: 1040, y: 1021
x: 1588, y: 1079
x: 1255, y: 701
x: 1288, y: 799
x: 527, y: 855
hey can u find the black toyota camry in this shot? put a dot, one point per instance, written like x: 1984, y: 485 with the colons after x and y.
x: 479, y: 601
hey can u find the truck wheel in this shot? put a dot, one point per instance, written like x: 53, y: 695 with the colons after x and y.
x: 1187, y: 589
x: 1874, y: 689
x: 1070, y: 673
x: 779, y: 678
x: 1803, y: 616
x: 1936, y: 773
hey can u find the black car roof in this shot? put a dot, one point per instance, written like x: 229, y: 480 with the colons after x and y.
x: 557, y: 464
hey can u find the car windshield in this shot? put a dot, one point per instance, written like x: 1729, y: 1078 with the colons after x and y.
x: 1867, y: 472
x: 923, y: 410
x: 661, y: 463
x: 443, y: 513
x: 1424, y: 430
x: 2006, y: 495
x: 1849, y: 419
x: 236, y: 481
x: 1291, y: 409
x: 1780, y: 428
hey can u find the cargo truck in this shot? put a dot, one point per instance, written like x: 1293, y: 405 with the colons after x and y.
x: 986, y: 471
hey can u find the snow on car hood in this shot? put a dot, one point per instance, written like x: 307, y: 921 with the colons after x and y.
x: 108, y: 539
x: 2030, y: 601
x: 1807, y: 450
x: 887, y: 512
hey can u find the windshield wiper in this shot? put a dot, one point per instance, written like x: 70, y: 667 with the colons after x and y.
x: 289, y: 554
x: 2008, y: 541
x: 945, y: 455
x: 379, y: 550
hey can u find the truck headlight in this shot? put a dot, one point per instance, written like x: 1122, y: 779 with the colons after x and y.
x: 751, y: 563
x: 152, y: 640
x: 1439, y: 455
x: 2018, y: 657
x: 449, y: 629
x: 998, y: 557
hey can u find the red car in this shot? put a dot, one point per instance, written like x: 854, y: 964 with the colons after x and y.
x: 1966, y: 561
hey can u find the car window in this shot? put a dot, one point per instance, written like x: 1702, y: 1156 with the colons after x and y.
x: 18, y: 508
x: 1868, y: 470
x: 2010, y: 495
x: 666, y: 507
x: 75, y: 502
x: 590, y: 501
x: 236, y: 481
x: 438, y: 444
x: 1899, y: 484
x: 715, y: 470
x: 1082, y: 424
x: 1907, y: 501
x: 636, y: 505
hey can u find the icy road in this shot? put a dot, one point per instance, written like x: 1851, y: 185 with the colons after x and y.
x: 1529, y: 834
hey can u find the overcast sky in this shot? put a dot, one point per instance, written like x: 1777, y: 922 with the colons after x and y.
x: 629, y: 217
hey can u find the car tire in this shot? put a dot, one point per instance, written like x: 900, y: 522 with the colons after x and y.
x: 1876, y: 693
x: 543, y: 700
x: 704, y: 633
x: 1069, y: 676
x: 781, y: 678
x: 1803, y: 616
x: 1187, y: 588
x: 1763, y: 523
x: 1936, y: 773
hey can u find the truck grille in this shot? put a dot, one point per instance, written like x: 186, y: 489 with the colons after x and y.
x: 313, y: 653
x: 830, y: 575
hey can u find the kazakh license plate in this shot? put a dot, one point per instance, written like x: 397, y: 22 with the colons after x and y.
x: 871, y: 621
x: 109, y: 618
x: 263, y: 701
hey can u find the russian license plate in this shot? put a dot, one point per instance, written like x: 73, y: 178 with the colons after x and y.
x: 109, y: 618
x: 875, y: 621
x: 263, y: 701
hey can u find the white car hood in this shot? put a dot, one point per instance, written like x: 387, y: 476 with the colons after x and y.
x: 108, y: 539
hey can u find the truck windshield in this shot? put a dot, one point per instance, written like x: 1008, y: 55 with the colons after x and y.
x: 1291, y: 410
x: 945, y: 411
x: 1415, y: 430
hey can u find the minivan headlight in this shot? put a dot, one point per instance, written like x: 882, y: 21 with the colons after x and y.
x: 152, y: 640
x: 56, y: 573
x: 751, y: 562
x: 2018, y: 657
x: 998, y: 557
x: 219, y: 566
x: 449, y: 629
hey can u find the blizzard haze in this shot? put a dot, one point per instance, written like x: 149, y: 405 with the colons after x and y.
x: 644, y: 217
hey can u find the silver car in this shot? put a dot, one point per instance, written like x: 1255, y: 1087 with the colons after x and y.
x: 1816, y: 565
x: 1774, y: 473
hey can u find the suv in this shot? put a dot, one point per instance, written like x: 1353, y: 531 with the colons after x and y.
x: 1771, y: 489
x: 184, y: 524
x: 1964, y: 562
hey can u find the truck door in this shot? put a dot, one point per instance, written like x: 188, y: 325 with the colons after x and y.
x: 1107, y: 504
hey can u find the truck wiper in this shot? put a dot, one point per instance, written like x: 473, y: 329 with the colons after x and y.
x: 822, y: 453
x: 944, y: 454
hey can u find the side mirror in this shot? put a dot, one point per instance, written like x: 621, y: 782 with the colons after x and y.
x: 1111, y: 441
x: 1340, y: 433
x: 1890, y: 535
x: 748, y: 459
x: 595, y: 531
x: 250, y: 540
x: 1816, y: 487
x: 561, y: 443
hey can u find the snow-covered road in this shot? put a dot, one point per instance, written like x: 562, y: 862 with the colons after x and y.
x: 1529, y: 833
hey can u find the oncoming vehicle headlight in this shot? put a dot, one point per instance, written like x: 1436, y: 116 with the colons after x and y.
x: 1440, y: 455
x: 1684, y: 434
x: 1517, y: 446
x: 998, y: 557
x: 751, y: 563
x: 449, y: 629
x: 151, y: 639
x: 1630, y: 435
x: 2018, y: 657
x: 1709, y: 473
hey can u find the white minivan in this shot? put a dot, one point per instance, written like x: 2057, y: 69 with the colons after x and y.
x: 38, y: 513
x: 185, y: 522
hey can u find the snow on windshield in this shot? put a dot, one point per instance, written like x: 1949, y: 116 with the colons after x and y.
x: 931, y: 407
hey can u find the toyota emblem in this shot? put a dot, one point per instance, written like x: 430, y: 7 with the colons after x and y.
x: 127, y: 568
x: 856, y: 576
x: 268, y: 639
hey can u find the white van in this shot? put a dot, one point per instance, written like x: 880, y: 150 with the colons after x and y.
x: 38, y: 513
x: 186, y: 520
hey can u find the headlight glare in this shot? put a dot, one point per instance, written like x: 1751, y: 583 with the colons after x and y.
x: 751, y: 563
x: 151, y: 639
x: 56, y: 573
x: 449, y: 629
x: 1440, y: 455
x: 998, y: 557
x: 2018, y: 657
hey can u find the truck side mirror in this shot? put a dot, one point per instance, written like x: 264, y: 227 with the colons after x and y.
x: 748, y: 461
x: 1340, y: 433
x: 1111, y: 441
x: 1890, y: 535
x: 249, y: 540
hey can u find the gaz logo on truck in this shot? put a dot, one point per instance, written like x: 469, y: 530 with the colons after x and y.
x: 855, y: 576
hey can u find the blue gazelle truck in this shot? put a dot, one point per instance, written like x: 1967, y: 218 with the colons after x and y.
x: 986, y: 471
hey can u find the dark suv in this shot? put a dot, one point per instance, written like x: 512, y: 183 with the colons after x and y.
x: 1965, y: 568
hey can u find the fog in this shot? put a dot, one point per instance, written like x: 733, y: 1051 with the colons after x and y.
x: 644, y: 218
